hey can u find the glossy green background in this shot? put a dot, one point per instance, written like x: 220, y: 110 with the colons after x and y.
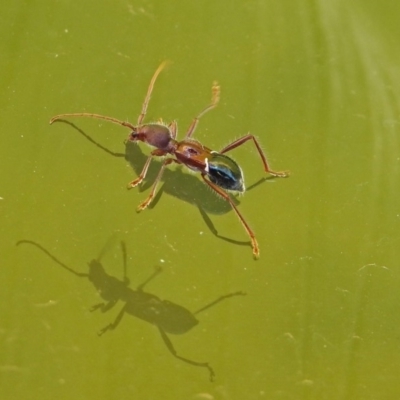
x: 318, y: 82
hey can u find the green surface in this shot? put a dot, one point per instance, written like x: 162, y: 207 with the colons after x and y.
x: 318, y: 83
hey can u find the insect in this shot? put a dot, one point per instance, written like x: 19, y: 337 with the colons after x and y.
x: 220, y: 172
x: 168, y: 317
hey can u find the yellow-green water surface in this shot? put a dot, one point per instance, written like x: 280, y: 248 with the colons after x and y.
x: 318, y: 83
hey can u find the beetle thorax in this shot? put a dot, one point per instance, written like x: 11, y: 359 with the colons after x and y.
x: 192, y: 154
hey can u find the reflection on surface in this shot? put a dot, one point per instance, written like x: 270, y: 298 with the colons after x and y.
x: 168, y: 317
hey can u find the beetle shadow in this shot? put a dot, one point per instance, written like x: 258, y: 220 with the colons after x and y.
x: 168, y: 317
x: 184, y: 186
